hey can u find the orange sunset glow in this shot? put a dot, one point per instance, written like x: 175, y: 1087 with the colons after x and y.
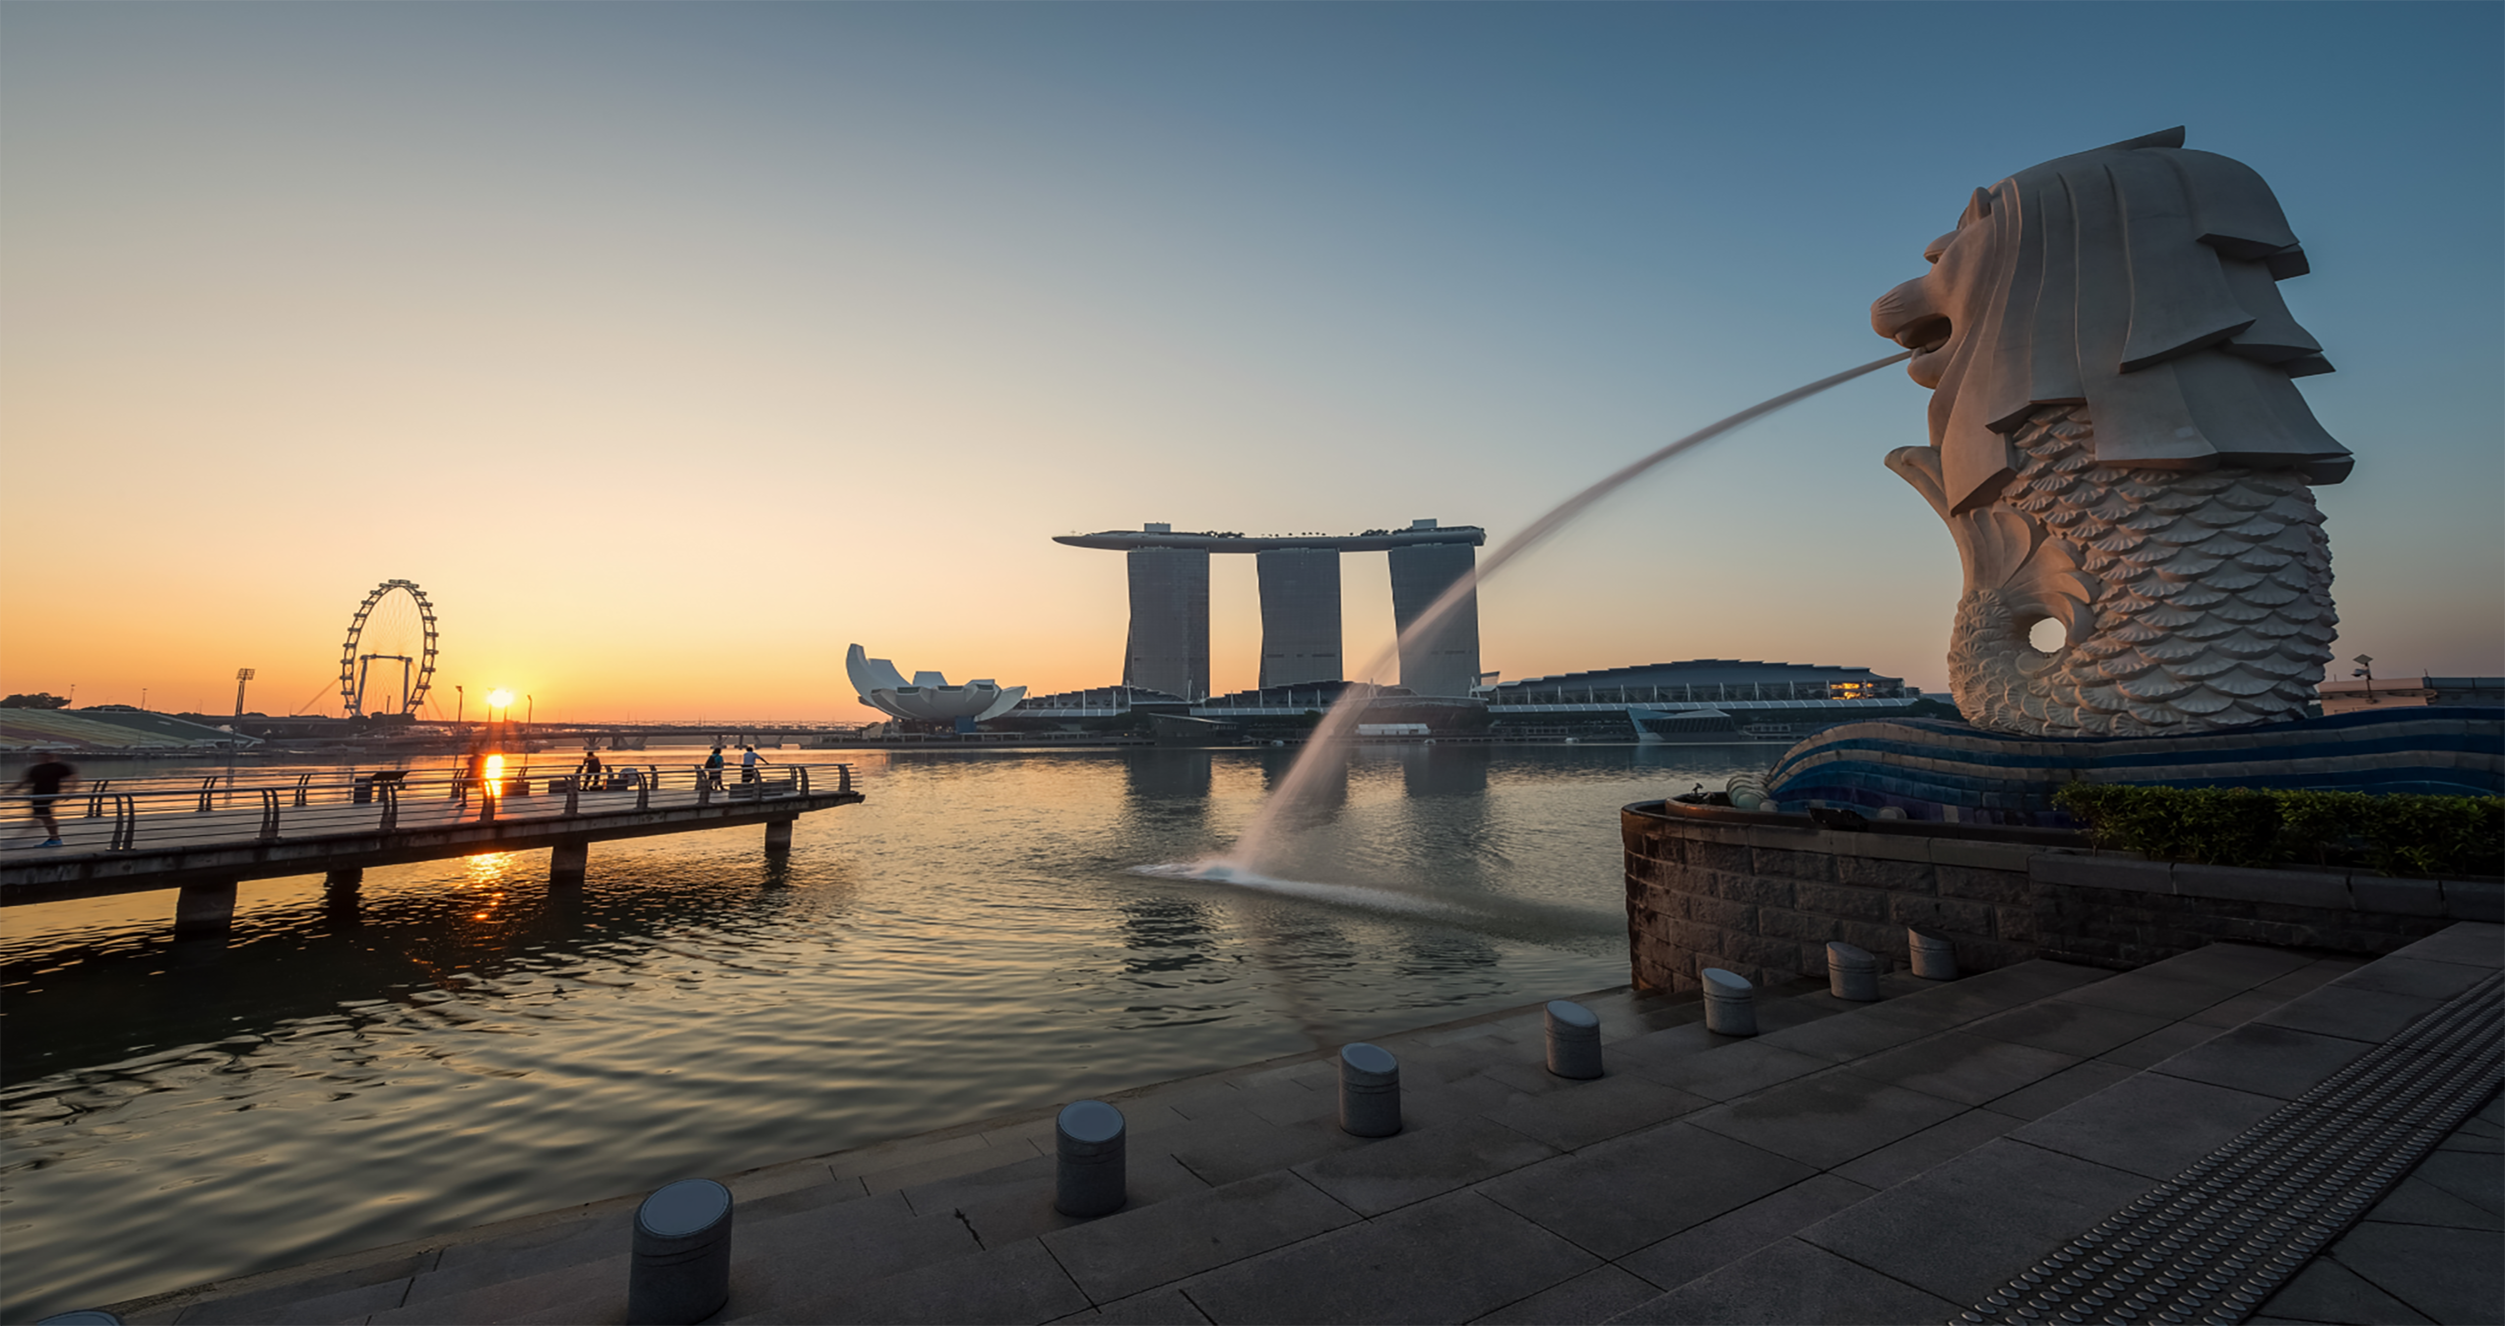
x: 667, y: 388
x: 679, y: 662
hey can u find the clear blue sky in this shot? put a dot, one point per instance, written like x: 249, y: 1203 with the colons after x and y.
x: 885, y: 296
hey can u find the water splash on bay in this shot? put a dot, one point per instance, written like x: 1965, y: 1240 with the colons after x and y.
x: 1344, y: 895
x: 1499, y: 916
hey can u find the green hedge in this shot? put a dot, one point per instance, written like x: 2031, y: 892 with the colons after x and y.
x: 2401, y: 834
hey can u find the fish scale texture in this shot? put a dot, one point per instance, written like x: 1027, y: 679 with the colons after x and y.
x: 2194, y: 600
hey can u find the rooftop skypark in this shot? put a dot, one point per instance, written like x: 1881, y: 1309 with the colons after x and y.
x: 1168, y: 645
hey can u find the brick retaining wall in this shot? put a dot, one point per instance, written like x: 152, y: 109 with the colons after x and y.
x: 1762, y: 894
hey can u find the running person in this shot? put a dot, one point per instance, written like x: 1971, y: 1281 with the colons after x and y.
x: 46, y: 780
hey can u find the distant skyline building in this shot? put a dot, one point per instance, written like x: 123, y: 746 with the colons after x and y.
x: 1701, y: 700
x: 1444, y: 661
x: 1168, y: 647
x: 928, y: 697
x: 1300, y: 615
x: 1301, y: 639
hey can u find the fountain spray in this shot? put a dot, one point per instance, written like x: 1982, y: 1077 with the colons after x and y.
x: 1246, y: 856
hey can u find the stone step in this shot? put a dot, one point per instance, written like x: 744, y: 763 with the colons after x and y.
x: 2204, y: 1052
x: 1479, y: 1106
x: 1510, y: 1194
x: 986, y: 1183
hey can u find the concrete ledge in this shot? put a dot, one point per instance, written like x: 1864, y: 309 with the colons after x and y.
x: 2300, y: 888
x: 2474, y: 900
x: 2404, y: 897
x: 1763, y: 899
x: 2130, y: 873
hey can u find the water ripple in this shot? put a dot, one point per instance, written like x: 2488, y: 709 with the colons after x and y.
x: 470, y: 1045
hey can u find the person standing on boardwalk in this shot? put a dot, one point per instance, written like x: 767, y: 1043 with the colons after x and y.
x: 46, y: 779
x: 748, y: 762
x: 713, y: 768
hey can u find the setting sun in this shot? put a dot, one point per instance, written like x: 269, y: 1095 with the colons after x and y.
x: 500, y: 698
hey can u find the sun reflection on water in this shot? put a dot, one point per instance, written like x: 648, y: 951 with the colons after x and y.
x: 970, y: 942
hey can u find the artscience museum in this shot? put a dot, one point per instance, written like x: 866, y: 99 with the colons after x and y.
x: 928, y: 698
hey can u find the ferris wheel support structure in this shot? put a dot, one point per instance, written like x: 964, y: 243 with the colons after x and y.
x: 353, y: 664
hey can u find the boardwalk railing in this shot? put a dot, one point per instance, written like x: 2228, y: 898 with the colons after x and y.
x: 137, y: 814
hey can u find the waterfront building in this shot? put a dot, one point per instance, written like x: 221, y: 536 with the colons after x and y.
x: 1102, y: 702
x: 1300, y: 615
x: 1168, y: 645
x: 2343, y: 697
x: 1298, y: 699
x: 928, y: 698
x: 1702, y: 700
x: 1444, y: 660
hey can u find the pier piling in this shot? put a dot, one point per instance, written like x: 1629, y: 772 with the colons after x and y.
x: 778, y: 835
x: 1730, y: 1002
x: 1090, y: 1177
x: 205, y: 910
x: 567, y: 861
x: 1935, y: 959
x: 1369, y: 1091
x: 681, y: 1271
x: 1852, y: 973
x: 1573, y: 1040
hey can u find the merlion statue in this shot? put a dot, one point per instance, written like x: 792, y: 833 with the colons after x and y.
x: 2117, y: 446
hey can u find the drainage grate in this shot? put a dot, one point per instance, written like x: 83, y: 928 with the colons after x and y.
x: 2211, y: 1243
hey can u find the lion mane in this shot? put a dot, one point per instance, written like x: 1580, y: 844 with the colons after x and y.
x: 2138, y: 280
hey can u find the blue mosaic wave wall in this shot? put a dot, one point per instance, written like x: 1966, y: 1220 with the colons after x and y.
x: 1933, y: 769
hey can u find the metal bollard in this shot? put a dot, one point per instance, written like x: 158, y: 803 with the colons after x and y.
x: 1369, y: 1091
x: 1935, y: 959
x: 1852, y: 973
x: 1089, y: 1178
x: 681, y: 1270
x: 1730, y: 1003
x: 1573, y: 1040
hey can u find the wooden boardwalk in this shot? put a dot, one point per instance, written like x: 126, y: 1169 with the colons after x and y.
x: 203, y: 838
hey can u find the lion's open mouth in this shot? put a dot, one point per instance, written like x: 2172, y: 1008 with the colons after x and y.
x: 1924, y: 334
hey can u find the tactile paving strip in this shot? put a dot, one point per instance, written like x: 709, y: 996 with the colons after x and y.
x: 2211, y: 1243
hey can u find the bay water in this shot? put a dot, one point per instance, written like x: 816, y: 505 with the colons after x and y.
x: 990, y: 932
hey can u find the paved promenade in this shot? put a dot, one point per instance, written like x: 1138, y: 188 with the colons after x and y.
x: 1902, y: 1161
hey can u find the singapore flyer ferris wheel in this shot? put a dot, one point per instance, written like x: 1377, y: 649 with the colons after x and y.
x: 395, y: 624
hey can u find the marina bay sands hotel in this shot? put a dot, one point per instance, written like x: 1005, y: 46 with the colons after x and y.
x: 1300, y: 604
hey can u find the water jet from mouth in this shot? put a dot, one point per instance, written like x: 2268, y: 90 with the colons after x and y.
x: 1249, y: 852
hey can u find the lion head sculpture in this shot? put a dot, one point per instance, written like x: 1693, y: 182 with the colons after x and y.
x: 2139, y: 280
x: 2117, y: 444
